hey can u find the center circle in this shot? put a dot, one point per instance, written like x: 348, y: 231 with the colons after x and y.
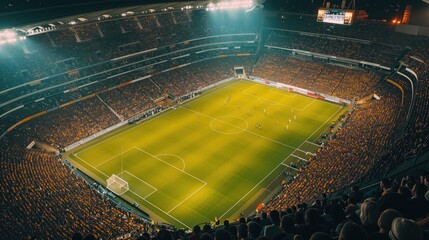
x: 229, y: 124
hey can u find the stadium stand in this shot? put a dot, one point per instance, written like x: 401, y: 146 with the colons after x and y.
x: 42, y: 198
x: 35, y: 184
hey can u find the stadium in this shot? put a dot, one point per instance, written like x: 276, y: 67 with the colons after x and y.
x: 223, y: 120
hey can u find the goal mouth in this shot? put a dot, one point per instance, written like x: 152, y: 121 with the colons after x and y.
x: 117, y: 185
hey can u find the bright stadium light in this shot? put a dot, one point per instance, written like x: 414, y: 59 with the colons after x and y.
x: 229, y: 5
x: 9, y: 36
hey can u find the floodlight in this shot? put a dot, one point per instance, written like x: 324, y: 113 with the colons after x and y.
x: 227, y: 5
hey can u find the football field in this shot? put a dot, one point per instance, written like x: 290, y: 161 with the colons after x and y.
x: 212, y: 156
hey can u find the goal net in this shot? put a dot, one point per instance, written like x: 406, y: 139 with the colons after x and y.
x: 117, y: 185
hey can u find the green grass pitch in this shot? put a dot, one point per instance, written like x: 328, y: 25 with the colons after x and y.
x: 212, y: 156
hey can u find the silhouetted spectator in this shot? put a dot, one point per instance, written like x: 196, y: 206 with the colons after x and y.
x: 418, y: 206
x: 352, y: 231
x: 405, y: 229
x: 313, y: 223
x: 385, y: 223
x: 254, y: 230
x: 273, y: 229
x: 320, y: 236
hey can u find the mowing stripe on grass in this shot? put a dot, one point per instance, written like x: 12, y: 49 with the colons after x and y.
x: 246, y: 130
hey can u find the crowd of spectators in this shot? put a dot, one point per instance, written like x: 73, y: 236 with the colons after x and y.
x: 349, y: 155
x: 42, y: 199
x: 71, y: 123
x: 34, y: 183
x: 397, y: 210
x: 56, y: 68
x: 385, y: 55
x: 346, y: 83
x: 378, y: 32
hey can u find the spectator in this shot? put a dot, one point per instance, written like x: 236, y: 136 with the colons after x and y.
x: 384, y: 223
x: 356, y: 196
x: 222, y: 234
x: 272, y: 230
x: 405, y: 229
x: 196, y: 232
x: 287, y: 228
x: 320, y: 236
x: 254, y: 230
x: 242, y: 231
x: 352, y: 231
x: 369, y: 216
x: 206, y: 236
x: 313, y: 224
x: 418, y: 206
x: 390, y: 199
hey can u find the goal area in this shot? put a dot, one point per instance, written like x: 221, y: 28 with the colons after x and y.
x: 117, y: 185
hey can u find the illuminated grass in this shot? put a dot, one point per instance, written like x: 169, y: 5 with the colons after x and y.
x: 208, y: 158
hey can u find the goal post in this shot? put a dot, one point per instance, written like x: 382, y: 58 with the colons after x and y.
x: 117, y: 185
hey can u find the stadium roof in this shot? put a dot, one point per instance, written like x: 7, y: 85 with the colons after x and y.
x: 59, y: 15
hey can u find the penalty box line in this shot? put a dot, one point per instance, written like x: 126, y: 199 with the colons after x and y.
x: 143, y: 198
x: 166, y: 213
x: 113, y: 157
x: 91, y: 166
x: 180, y: 170
x: 141, y: 180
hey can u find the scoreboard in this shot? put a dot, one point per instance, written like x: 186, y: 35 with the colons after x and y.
x: 335, y: 16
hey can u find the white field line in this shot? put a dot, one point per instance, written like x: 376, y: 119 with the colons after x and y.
x: 188, y: 197
x: 272, y: 102
x: 306, y: 140
x: 313, y: 143
x: 254, y: 85
x: 277, y: 166
x: 233, y: 82
x: 154, y: 188
x: 246, y: 130
x: 180, y: 170
x: 299, y: 158
x: 223, y: 215
x: 92, y: 166
x: 143, y: 198
x: 284, y: 164
x: 151, y: 119
x: 174, y: 155
x: 112, y: 157
x: 296, y: 149
x: 308, y: 105
x: 119, y: 134
x: 284, y: 92
x: 166, y: 213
